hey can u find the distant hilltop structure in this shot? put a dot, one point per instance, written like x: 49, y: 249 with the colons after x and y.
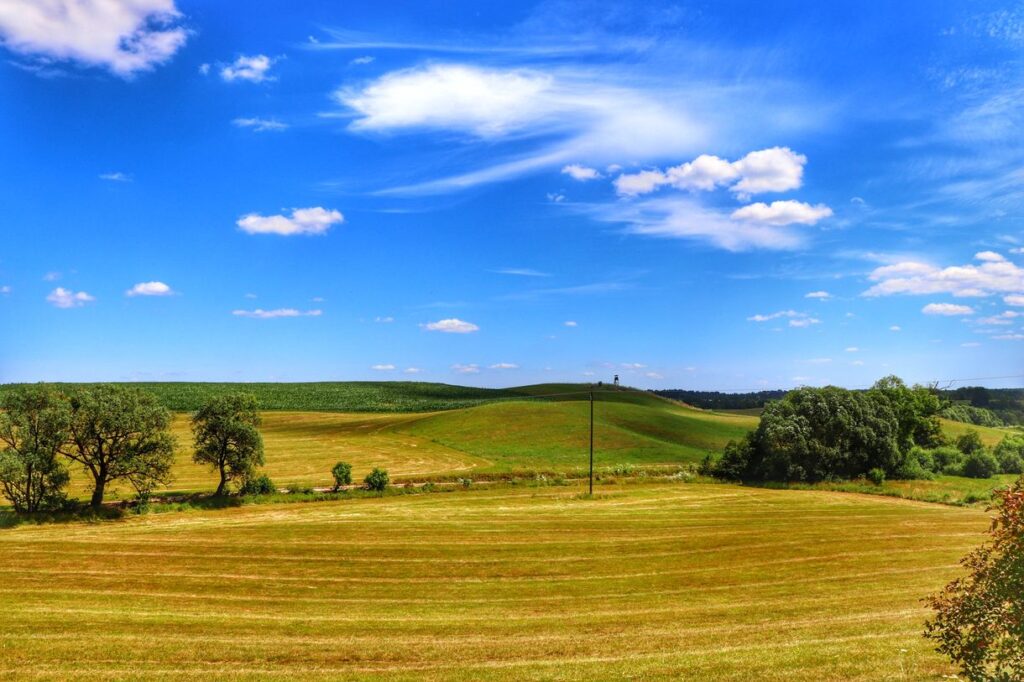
x: 616, y: 380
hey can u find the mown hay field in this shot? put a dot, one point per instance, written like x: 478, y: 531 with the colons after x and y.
x: 655, y: 581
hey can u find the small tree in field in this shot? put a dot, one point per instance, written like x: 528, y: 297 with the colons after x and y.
x: 227, y: 437
x: 342, y: 473
x: 34, y: 424
x: 120, y: 433
x: 377, y: 480
x: 979, y: 620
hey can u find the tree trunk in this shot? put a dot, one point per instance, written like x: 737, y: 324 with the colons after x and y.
x: 223, y: 482
x: 97, y: 492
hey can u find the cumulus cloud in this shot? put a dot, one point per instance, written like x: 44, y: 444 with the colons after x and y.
x: 65, y: 298
x: 466, y: 369
x: 989, y: 256
x: 1004, y: 319
x: 782, y: 213
x: 261, y: 314
x: 255, y: 69
x: 581, y: 173
x: 116, y: 176
x: 895, y: 328
x: 150, y: 289
x: 768, y: 170
x: 306, y: 221
x: 948, y: 309
x: 820, y: 295
x: 571, y: 323
x: 383, y: 368
x: 260, y: 125
x: 1014, y: 299
x: 451, y: 326
x: 993, y: 276
x: 504, y: 365
x: 124, y: 37
x: 804, y: 322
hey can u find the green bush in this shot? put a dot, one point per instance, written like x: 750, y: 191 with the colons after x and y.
x: 258, y: 485
x: 342, y: 473
x: 948, y: 460
x: 876, y: 475
x: 1010, y: 453
x: 970, y: 442
x: 377, y: 479
x: 980, y: 464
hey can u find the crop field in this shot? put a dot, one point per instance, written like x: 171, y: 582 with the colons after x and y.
x: 659, y: 581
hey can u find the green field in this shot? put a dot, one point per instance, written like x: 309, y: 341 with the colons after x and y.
x: 669, y: 581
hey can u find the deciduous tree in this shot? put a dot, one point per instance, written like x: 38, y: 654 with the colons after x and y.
x: 227, y: 437
x: 34, y: 424
x: 120, y: 433
x: 979, y: 619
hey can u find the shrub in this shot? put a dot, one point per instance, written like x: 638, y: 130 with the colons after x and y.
x: 466, y: 482
x: 1010, y: 453
x: 980, y: 464
x: 970, y: 442
x: 342, y: 473
x: 258, y: 485
x: 377, y: 479
x: 876, y: 475
x: 948, y: 460
x: 977, y: 617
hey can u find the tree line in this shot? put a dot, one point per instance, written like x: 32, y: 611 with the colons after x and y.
x: 118, y: 433
x: 889, y: 431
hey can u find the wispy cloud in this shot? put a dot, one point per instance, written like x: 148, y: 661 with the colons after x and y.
x: 260, y: 125
x: 522, y: 272
x: 261, y: 314
x: 116, y: 176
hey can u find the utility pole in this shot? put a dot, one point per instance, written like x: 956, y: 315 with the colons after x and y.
x: 591, y: 443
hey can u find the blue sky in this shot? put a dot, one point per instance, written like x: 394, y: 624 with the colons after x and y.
x: 718, y: 195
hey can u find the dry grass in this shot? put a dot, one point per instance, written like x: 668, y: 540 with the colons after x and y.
x: 656, y: 581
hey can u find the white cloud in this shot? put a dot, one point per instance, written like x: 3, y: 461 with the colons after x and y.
x: 852, y: 349
x: 768, y: 170
x: 125, y: 37
x: 801, y: 322
x: 204, y: 69
x: 911, y: 277
x: 653, y: 375
x: 989, y: 256
x: 149, y: 289
x: 383, y: 368
x: 857, y: 363
x: 451, y: 326
x: 570, y: 114
x: 116, y: 176
x: 633, y: 365
x: 819, y: 361
x: 970, y: 344
x: 1015, y: 299
x: 466, y: 369
x: 555, y: 197
x: 360, y: 61
x: 5, y: 289
x: 948, y: 309
x: 821, y: 295
x: 782, y: 213
x: 412, y: 370
x: 254, y: 69
x: 261, y: 314
x: 65, y: 298
x: 775, y: 316
x: 1009, y: 337
x: 260, y: 125
x: 307, y: 221
x: 571, y: 323
x: 1003, y: 319
x: 51, y: 277
x: 581, y: 173
x: 504, y: 365
x: 384, y: 320
x: 683, y: 218
x: 895, y: 328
